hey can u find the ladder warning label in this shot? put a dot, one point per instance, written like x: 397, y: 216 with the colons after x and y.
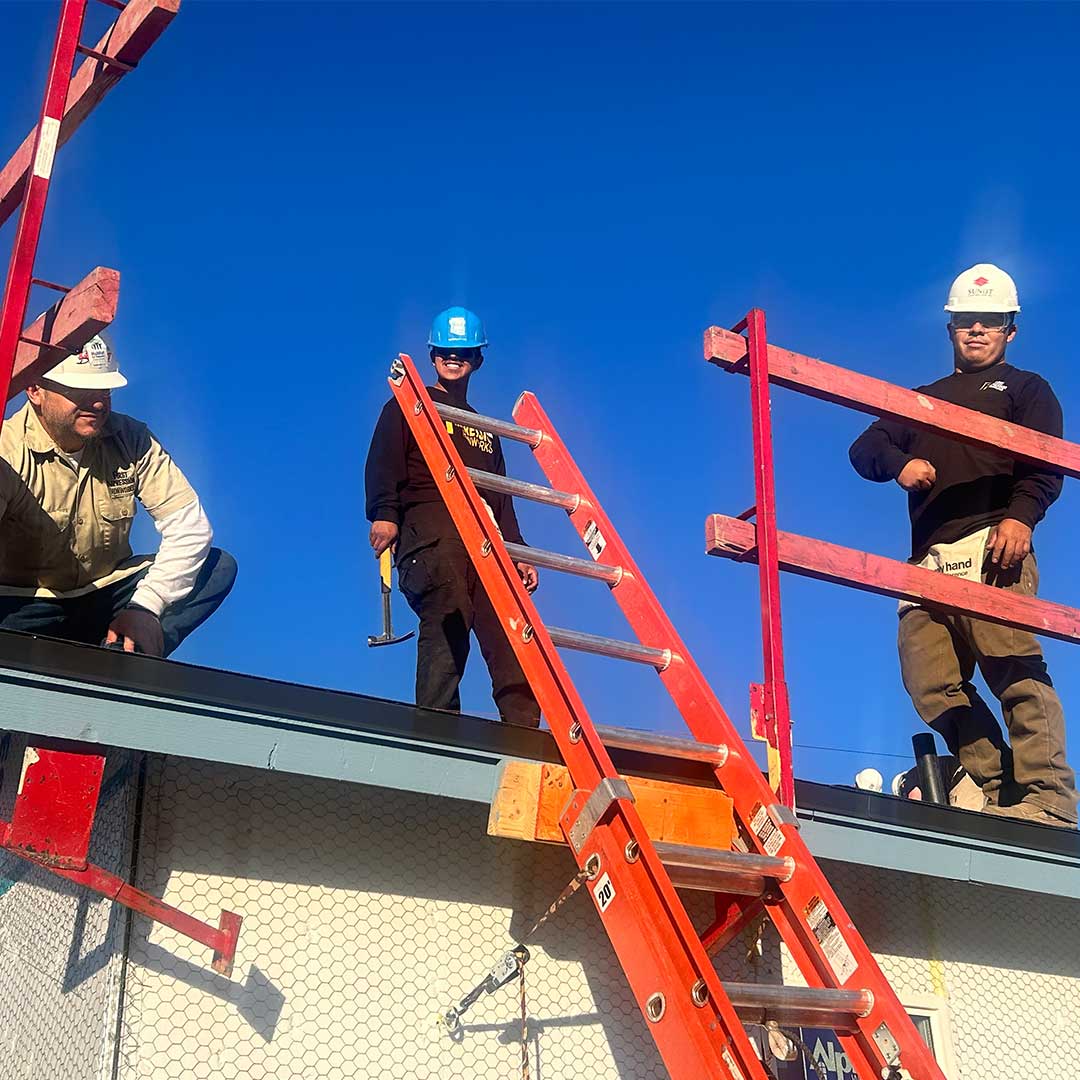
x: 604, y: 892
x: 831, y: 940
x: 594, y: 540
x: 50, y: 132
x: 729, y: 1061
x: 766, y: 830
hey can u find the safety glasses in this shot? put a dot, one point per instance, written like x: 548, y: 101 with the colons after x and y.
x: 1000, y: 321
x: 468, y: 356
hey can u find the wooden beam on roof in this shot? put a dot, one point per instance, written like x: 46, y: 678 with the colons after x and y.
x: 136, y: 29
x: 68, y: 325
x: 878, y: 398
x: 531, y: 796
x: 735, y: 539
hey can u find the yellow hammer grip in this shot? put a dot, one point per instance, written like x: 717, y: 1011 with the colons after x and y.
x: 385, y: 567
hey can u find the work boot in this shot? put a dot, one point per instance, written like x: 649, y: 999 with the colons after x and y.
x: 1028, y: 811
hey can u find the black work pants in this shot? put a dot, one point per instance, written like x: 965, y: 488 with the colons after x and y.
x: 442, y: 587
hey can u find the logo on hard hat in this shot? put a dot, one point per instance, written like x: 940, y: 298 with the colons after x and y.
x: 457, y: 325
x: 95, y: 353
x: 981, y: 281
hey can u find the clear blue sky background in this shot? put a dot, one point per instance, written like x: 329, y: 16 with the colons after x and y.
x: 291, y: 190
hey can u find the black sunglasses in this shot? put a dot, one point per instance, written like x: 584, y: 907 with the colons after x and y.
x: 988, y: 320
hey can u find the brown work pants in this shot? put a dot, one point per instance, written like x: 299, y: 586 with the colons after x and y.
x: 938, y: 657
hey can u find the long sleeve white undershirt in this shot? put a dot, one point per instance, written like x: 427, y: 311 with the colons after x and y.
x: 185, y: 543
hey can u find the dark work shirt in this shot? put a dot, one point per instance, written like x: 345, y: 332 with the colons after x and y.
x: 975, y: 486
x: 400, y: 487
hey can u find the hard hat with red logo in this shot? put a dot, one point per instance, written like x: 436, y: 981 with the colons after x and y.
x: 985, y: 287
x: 92, y: 368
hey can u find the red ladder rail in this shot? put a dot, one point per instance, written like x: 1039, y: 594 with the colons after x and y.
x: 690, y: 1017
x: 841, y: 958
x: 661, y: 955
x: 24, y: 250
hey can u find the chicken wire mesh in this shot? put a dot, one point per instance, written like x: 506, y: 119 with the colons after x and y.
x: 367, y: 912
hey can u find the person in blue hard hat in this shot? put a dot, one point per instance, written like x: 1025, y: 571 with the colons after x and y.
x: 436, y: 575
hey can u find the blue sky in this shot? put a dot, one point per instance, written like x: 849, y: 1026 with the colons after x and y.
x: 291, y: 190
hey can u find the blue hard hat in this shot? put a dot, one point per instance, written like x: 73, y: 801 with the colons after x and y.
x: 457, y: 326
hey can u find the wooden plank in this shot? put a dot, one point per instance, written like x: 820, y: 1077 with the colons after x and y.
x: 136, y: 29
x: 827, y: 382
x: 83, y: 312
x: 531, y: 796
x: 735, y: 539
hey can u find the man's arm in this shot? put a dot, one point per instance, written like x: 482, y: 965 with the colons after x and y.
x: 881, y: 452
x: 1034, y: 487
x: 384, y: 476
x: 185, y: 533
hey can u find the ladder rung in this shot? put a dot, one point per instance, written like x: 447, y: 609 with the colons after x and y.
x: 713, y: 870
x: 651, y: 742
x: 613, y: 647
x: 798, y: 1004
x: 568, y: 564
x: 507, y: 428
x: 524, y: 489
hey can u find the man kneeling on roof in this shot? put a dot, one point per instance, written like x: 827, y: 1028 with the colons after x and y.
x: 70, y: 473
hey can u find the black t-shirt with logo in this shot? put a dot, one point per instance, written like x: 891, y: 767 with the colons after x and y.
x: 975, y: 486
x: 400, y: 488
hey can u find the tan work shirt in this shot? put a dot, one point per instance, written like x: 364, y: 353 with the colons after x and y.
x: 65, y: 529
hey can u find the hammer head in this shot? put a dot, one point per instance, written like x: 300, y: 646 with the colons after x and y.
x: 388, y: 639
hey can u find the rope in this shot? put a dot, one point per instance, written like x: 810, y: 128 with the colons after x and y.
x: 572, y: 887
x: 452, y: 1018
x: 524, y: 1026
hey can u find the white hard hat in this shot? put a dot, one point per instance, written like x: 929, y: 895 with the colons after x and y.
x: 93, y: 368
x: 985, y: 287
x: 868, y: 780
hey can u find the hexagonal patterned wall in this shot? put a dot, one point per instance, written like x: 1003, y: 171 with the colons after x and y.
x: 369, y: 912
x: 61, y: 946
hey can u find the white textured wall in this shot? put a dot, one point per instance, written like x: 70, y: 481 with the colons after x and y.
x: 61, y: 945
x: 367, y: 912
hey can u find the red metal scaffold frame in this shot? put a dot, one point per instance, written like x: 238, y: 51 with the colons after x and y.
x: 774, y: 551
x: 60, y: 782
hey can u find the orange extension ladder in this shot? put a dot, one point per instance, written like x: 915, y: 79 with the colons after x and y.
x: 53, y: 811
x: 690, y: 1013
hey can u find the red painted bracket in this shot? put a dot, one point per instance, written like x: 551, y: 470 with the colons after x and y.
x: 55, y: 806
x: 51, y: 824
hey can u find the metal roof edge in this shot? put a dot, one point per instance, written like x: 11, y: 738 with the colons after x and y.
x: 68, y: 691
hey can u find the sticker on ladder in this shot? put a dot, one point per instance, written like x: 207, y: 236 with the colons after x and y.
x: 767, y: 829
x: 729, y: 1061
x: 50, y: 132
x: 604, y: 892
x: 824, y: 928
x: 594, y: 540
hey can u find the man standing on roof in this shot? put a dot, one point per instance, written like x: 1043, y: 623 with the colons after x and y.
x: 972, y: 513
x: 71, y: 470
x: 435, y: 573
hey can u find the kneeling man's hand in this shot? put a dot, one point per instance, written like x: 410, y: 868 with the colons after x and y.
x: 138, y: 628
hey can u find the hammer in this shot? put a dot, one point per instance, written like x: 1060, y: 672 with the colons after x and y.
x: 387, y: 635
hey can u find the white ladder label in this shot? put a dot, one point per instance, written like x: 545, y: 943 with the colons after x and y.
x: 594, y: 540
x: 604, y: 892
